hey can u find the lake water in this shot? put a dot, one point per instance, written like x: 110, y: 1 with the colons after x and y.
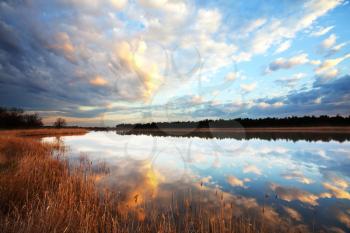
x: 300, y: 183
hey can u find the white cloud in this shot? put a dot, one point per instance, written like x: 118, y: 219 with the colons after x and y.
x: 330, y: 63
x: 253, y: 25
x: 329, y: 42
x: 264, y: 105
x: 318, y: 100
x: 329, y: 45
x: 283, y: 63
x: 322, y: 31
x: 232, y: 76
x: 119, y: 4
x: 234, y: 181
x: 196, y: 99
x: 338, y: 47
x: 248, y: 87
x: 208, y: 20
x: 278, y: 104
x: 291, y: 81
x: 298, y: 176
x: 284, y: 46
x: 153, y: 3
x: 252, y: 169
x: 277, y: 30
x: 328, y: 74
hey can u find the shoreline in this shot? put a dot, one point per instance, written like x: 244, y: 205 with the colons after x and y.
x: 311, y: 129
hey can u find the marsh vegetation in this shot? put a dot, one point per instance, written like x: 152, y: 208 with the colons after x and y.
x: 40, y: 191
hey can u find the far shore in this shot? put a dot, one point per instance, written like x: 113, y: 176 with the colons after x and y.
x: 313, y: 129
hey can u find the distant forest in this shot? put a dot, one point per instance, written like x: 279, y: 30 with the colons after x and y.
x: 11, y: 118
x: 294, y: 121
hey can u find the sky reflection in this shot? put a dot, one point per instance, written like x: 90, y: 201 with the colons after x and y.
x: 301, y: 184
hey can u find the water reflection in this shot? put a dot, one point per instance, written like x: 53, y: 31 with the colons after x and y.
x: 241, y: 134
x: 282, y: 185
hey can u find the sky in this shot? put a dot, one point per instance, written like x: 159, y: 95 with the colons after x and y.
x: 104, y: 62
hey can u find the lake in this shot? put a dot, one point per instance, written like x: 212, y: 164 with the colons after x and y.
x: 299, y: 184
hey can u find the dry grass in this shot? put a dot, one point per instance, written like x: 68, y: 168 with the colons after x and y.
x: 40, y: 193
x: 43, y: 132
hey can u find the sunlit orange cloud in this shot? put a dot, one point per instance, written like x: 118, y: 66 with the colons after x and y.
x: 137, y: 182
x: 344, y: 218
x: 298, y: 176
x: 292, y: 213
x: 98, y: 81
x: 234, y: 181
x: 64, y: 45
x: 337, y: 192
x: 291, y: 193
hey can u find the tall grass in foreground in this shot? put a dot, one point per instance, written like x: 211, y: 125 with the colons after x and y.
x: 40, y: 193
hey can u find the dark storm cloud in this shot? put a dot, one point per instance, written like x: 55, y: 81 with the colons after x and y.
x: 9, y: 40
x: 36, y: 73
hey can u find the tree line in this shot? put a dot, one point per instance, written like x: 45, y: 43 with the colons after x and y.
x: 15, y: 118
x: 293, y: 121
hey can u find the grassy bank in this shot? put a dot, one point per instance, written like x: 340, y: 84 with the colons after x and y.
x: 41, y: 192
x: 42, y: 132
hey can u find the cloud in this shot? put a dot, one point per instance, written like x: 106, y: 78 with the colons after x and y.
x: 322, y: 31
x: 232, y: 76
x: 253, y: 25
x: 234, y: 181
x: 49, y: 62
x: 119, y: 4
x: 278, y: 29
x: 208, y: 20
x: 330, y: 47
x: 334, y: 95
x: 63, y: 44
x: 328, y: 64
x: 291, y: 81
x: 284, y: 46
x: 329, y: 74
x: 98, y: 81
x: 248, y: 87
x: 298, y: 176
x: 265, y: 105
x: 337, y: 191
x: 290, y: 194
x: 283, y: 63
x: 329, y: 42
x: 197, y: 99
x: 56, y: 61
x: 252, y: 169
x: 292, y: 213
x: 138, y: 63
x: 344, y: 218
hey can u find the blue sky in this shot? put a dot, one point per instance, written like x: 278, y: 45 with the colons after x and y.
x: 104, y: 62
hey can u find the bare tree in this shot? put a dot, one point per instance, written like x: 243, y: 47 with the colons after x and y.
x: 60, y: 123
